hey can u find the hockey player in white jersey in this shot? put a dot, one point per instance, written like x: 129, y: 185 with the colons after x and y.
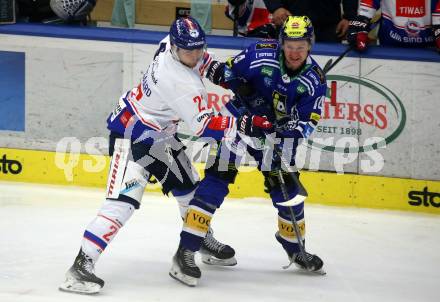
x: 143, y: 143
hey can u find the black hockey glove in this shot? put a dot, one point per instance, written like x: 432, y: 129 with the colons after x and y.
x: 357, y: 33
x: 253, y: 125
x: 288, y: 127
x: 216, y: 72
x: 266, y: 31
x: 286, y: 124
x: 271, y: 179
x: 436, y: 32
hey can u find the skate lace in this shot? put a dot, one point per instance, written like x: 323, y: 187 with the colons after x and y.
x: 308, y: 256
x: 87, y: 264
x: 299, y: 257
x: 188, y: 258
x: 212, y: 243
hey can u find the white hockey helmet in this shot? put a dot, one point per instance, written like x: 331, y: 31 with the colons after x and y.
x: 72, y: 10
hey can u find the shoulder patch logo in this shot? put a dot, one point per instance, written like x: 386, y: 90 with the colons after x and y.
x: 300, y: 88
x: 315, y: 117
x: 267, y: 71
x: 267, y: 82
x: 229, y: 62
x: 266, y: 45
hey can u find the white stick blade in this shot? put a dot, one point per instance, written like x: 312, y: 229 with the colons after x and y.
x: 293, y: 202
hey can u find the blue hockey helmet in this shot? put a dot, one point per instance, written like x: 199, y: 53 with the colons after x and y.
x: 187, y: 33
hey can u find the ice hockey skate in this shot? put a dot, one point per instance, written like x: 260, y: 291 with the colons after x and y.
x: 315, y: 263
x: 80, y: 278
x: 216, y: 253
x: 184, y: 268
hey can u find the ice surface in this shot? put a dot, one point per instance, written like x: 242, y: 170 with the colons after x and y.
x: 369, y: 255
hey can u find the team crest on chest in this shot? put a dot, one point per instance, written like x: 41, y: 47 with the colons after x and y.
x: 279, y: 104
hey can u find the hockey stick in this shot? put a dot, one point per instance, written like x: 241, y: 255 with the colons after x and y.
x: 302, y: 249
x: 330, y: 64
x: 300, y: 197
x: 247, y: 90
x: 302, y: 193
x: 235, y: 16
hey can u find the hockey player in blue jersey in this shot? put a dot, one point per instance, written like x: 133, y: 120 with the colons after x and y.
x: 277, y: 79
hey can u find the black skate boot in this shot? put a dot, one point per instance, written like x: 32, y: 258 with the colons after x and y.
x: 184, y: 268
x: 216, y: 253
x: 80, y: 278
x: 313, y: 263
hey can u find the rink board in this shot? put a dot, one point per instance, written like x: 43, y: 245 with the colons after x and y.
x: 61, y: 82
x: 75, y: 75
x: 324, y: 188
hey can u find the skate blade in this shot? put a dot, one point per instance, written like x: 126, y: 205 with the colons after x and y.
x: 79, y: 287
x: 211, y: 260
x: 175, y: 273
x: 320, y: 272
